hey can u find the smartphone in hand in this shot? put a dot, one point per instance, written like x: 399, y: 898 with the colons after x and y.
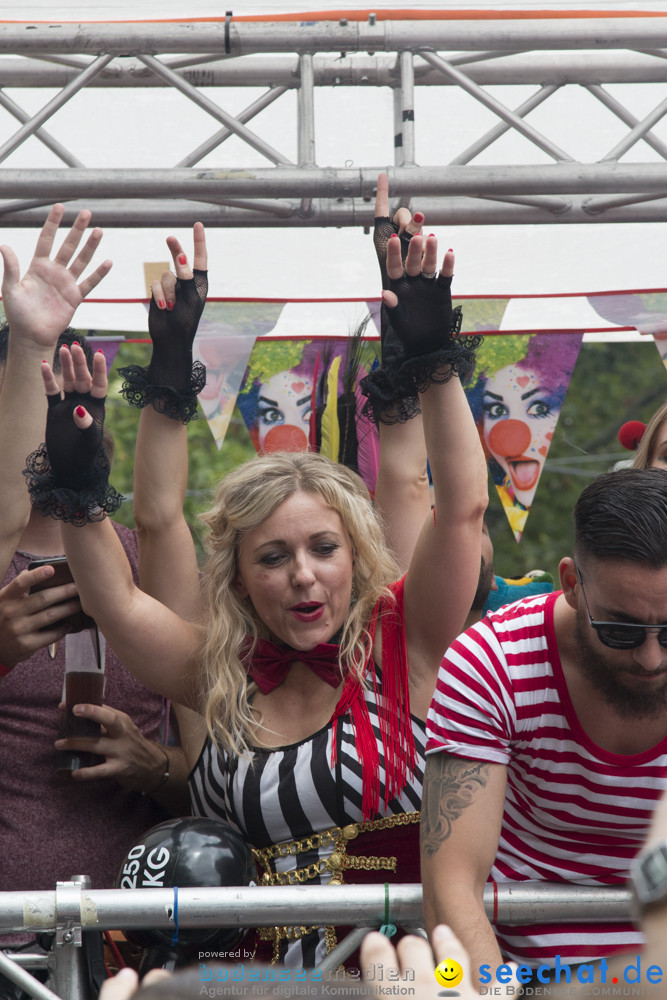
x: 63, y: 574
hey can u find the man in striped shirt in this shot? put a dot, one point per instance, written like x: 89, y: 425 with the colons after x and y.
x: 547, y: 734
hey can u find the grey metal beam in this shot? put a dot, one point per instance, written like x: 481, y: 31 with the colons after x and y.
x: 505, y: 114
x: 306, y: 122
x: 101, y: 909
x: 31, y: 126
x: 18, y: 112
x: 405, y: 112
x: 338, y: 212
x: 232, y: 123
x: 640, y: 131
x: 21, y: 978
x: 330, y: 36
x: 192, y: 58
x: 626, y: 117
x: 487, y: 140
x: 356, y: 69
x: 319, y: 182
x: 263, y: 102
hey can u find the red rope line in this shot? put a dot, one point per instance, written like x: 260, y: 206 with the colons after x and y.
x: 390, y: 14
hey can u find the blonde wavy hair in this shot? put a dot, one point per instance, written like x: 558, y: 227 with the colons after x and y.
x: 244, y: 500
x: 644, y: 454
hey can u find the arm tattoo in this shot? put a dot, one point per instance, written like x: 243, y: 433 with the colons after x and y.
x: 450, y: 785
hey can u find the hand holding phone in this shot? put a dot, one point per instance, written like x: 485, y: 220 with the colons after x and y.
x: 76, y: 622
x: 31, y: 621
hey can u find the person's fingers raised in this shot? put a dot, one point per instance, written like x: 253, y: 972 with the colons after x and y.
x: 100, y: 380
x: 382, y: 197
x: 200, y: 259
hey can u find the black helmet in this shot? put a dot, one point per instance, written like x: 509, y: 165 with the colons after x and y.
x: 191, y: 852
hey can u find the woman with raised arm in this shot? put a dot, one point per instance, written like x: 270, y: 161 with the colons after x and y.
x: 38, y: 307
x: 314, y: 666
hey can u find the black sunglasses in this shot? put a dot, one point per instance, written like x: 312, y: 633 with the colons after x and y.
x: 622, y: 635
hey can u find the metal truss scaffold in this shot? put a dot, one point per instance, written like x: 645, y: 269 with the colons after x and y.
x: 285, y: 64
x: 75, y: 908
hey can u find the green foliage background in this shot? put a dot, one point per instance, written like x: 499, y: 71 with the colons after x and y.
x: 612, y: 382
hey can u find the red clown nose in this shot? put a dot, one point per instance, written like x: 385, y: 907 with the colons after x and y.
x: 631, y: 434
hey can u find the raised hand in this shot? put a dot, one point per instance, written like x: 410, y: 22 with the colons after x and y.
x: 68, y: 478
x: 398, y: 230
x: 419, y: 327
x: 41, y: 305
x: 75, y: 418
x: 179, y: 298
x: 419, y: 300
x: 404, y: 225
x: 171, y: 382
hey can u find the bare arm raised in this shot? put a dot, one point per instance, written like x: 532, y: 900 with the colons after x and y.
x: 38, y: 307
x: 402, y: 491
x: 168, y: 568
x: 167, y: 561
x: 444, y: 569
x: 154, y: 643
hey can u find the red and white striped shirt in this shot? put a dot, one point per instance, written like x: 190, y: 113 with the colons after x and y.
x: 573, y: 811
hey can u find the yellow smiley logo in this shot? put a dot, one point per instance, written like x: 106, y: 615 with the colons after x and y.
x: 449, y: 973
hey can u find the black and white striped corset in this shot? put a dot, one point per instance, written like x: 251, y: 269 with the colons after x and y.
x: 288, y: 793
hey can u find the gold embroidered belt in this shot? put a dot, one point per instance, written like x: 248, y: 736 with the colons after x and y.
x: 335, y: 864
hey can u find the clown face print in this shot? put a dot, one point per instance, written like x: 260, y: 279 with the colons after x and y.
x: 519, y: 418
x: 283, y: 412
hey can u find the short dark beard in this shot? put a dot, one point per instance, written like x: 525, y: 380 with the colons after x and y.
x: 483, y: 586
x: 604, y: 676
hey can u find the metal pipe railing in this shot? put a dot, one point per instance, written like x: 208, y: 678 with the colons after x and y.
x: 74, y: 908
x: 266, y: 906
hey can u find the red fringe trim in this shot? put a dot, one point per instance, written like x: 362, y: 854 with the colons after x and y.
x: 393, y: 701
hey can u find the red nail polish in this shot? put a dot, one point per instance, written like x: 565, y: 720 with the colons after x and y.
x: 99, y: 351
x: 170, y: 305
x: 419, y: 217
x: 80, y: 412
x: 450, y: 250
x: 182, y: 259
x: 161, y: 304
x: 75, y: 342
x: 431, y: 234
x: 394, y: 236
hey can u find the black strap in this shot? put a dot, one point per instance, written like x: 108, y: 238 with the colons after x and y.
x: 228, y: 18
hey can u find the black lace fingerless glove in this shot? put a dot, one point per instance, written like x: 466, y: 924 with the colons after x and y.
x: 171, y: 382
x: 68, y: 476
x: 426, y: 328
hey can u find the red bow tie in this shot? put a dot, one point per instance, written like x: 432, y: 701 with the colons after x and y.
x: 270, y: 663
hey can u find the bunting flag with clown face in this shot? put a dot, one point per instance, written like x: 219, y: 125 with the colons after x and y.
x: 300, y: 395
x: 516, y: 395
x: 225, y: 338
